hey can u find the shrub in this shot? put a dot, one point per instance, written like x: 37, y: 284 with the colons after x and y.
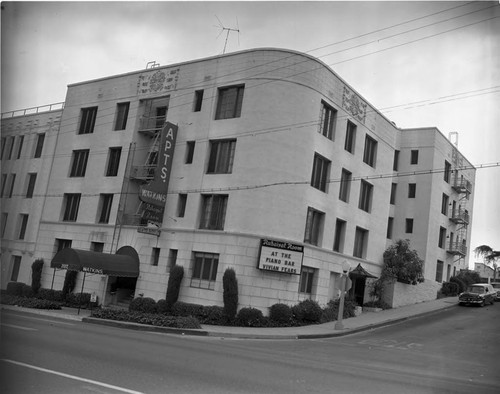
x: 29, y: 302
x: 307, y: 311
x: 377, y: 304
x: 147, y: 318
x: 281, y: 314
x: 36, y: 275
x: 250, y: 317
x: 174, y: 284
x: 18, y: 289
x: 469, y: 277
x: 331, y: 311
x: 186, y: 309
x: 77, y: 300
x: 27, y: 291
x: 449, y: 289
x: 69, y: 282
x: 161, y: 306
x: 460, y: 283
x: 143, y: 304
x: 213, y: 314
x: 230, y: 294
x: 50, y: 295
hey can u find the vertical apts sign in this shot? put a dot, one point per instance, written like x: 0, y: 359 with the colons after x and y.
x: 279, y: 256
x: 154, y: 194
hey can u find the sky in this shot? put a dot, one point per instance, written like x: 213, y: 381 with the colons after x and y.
x: 422, y: 63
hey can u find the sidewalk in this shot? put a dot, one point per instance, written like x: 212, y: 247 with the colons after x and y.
x: 366, y: 321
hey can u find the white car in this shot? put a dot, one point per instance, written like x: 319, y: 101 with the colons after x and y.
x: 496, y: 286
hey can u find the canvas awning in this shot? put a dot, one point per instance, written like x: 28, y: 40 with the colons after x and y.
x: 360, y: 271
x: 96, y: 262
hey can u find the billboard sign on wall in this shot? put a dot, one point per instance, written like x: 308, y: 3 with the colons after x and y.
x: 280, y: 256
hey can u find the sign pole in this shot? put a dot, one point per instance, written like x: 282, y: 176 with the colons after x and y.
x: 81, y: 293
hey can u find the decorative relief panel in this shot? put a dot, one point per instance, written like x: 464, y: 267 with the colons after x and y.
x: 158, y: 81
x: 354, y: 105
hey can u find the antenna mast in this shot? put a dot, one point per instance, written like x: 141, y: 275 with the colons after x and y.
x: 228, y: 30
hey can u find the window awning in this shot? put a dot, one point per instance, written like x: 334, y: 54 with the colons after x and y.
x: 360, y: 271
x: 96, y: 262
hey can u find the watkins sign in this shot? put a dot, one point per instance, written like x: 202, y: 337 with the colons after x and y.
x: 278, y: 256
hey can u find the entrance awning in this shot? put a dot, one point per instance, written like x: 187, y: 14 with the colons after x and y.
x: 360, y: 271
x: 96, y: 262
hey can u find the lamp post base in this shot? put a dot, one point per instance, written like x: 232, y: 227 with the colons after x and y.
x: 339, y: 325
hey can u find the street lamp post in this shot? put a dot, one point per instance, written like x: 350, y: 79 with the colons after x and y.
x: 345, y: 269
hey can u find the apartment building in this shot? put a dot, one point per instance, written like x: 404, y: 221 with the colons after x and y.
x: 264, y: 161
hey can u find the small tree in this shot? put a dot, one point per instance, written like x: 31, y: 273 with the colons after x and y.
x: 69, y: 283
x: 36, y: 275
x: 174, y: 285
x: 469, y: 277
x: 401, y: 263
x: 230, y: 295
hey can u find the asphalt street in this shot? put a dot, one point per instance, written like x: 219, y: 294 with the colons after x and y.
x: 455, y: 351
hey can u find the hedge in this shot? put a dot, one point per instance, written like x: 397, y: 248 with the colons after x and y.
x: 29, y: 302
x: 154, y: 319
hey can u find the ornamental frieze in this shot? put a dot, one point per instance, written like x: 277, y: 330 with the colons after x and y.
x: 354, y: 105
x: 158, y: 81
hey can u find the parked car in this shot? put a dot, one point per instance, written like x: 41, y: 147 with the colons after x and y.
x: 478, y: 294
x: 496, y: 286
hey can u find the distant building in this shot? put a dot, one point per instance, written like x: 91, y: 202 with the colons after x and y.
x: 486, y: 272
x: 276, y: 167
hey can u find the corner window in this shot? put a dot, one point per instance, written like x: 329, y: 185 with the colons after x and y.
x: 213, y: 212
x: 327, y: 121
x: 370, y: 153
x: 229, y: 102
x: 71, y: 206
x: 121, y: 116
x: 114, y: 155
x: 314, y: 222
x: 365, y: 196
x: 319, y: 177
x: 395, y: 165
x: 205, y: 270
x: 79, y: 164
x: 350, y: 137
x: 87, y: 120
x: 221, y: 157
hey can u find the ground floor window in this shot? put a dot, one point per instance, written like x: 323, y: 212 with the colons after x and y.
x: 16, y: 264
x: 306, y: 280
x: 205, y: 270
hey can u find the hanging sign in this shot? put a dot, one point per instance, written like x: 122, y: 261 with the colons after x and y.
x: 279, y: 256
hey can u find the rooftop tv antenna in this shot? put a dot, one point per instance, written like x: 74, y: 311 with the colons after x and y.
x: 228, y: 30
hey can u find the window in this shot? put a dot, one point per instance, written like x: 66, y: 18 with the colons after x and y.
x: 213, y: 211
x: 172, y: 258
x: 5, y: 216
x: 221, y: 157
x: 306, y: 280
x: 205, y: 270
x: 345, y: 185
x: 319, y: 177
x: 23, y: 223
x: 11, y: 185
x: 20, y: 146
x: 314, y: 222
x: 105, y: 203
x: 444, y: 205
x: 198, y: 100
x: 412, y: 190
x: 31, y: 185
x: 11, y: 147
x: 189, y: 152
x: 16, y: 264
x: 327, y: 122
x: 439, y: 271
x: 338, y: 242
x: 63, y: 244
x: 97, y: 247
x: 39, y: 145
x: 155, y: 256
x: 365, y: 196
x: 390, y: 226
x: 161, y: 116
x: 87, y: 120
x: 229, y: 102
x: 4, y: 142
x: 79, y: 165
x: 395, y: 165
x: 71, y: 205
x: 114, y: 155
x: 394, y: 187
x: 442, y: 237
x: 447, y: 171
x: 4, y: 183
x: 370, y: 153
x: 181, y: 205
x: 360, y: 242
x: 414, y: 157
x: 121, y: 116
x: 409, y: 226
x: 350, y: 137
